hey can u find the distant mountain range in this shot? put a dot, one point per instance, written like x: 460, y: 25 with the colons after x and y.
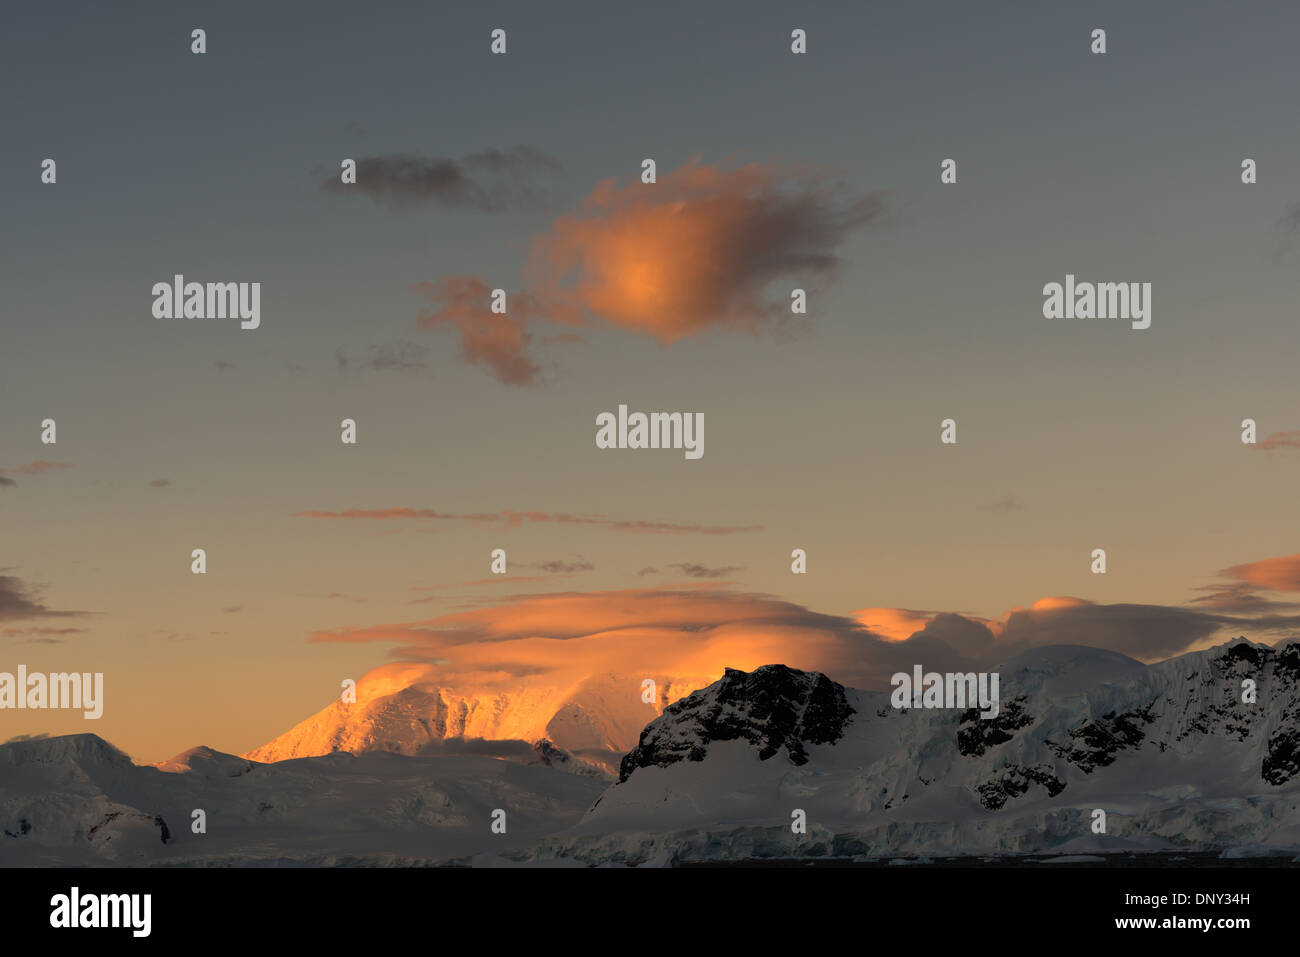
x: 1170, y: 752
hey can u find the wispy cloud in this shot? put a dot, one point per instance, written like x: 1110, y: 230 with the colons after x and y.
x: 35, y: 468
x: 499, y: 342
x: 1288, y: 229
x: 490, y: 181
x: 696, y: 570
x: 19, y: 601
x: 510, y: 518
x: 1277, y: 440
x: 1238, y: 597
x: 1275, y: 574
x: 1008, y: 504
x: 560, y: 567
x: 1240, y: 594
x: 389, y: 357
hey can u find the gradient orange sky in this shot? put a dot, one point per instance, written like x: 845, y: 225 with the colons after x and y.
x: 476, y: 430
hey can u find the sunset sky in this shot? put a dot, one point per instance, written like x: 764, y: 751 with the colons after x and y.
x: 477, y: 431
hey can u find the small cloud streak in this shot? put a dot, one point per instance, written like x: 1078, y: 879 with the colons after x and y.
x: 19, y: 601
x: 489, y: 339
x: 340, y: 595
x: 35, y: 468
x: 1237, y: 597
x: 389, y: 357
x: 1274, y: 574
x: 1288, y: 228
x: 696, y: 570
x: 1278, y: 440
x: 490, y: 181
x: 558, y: 567
x: 1003, y: 505
x: 510, y: 518
x: 1240, y: 593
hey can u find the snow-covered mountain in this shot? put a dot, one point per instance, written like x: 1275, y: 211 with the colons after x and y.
x: 1178, y: 755
x: 77, y: 800
x: 596, y: 719
x: 1170, y: 752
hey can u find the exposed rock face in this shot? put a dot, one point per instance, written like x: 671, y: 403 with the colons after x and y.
x: 1282, y: 762
x: 976, y: 735
x: 1015, y: 781
x: 774, y: 708
x: 1095, y: 743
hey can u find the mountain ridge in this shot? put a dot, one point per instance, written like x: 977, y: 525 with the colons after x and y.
x: 1175, y: 753
x: 1172, y: 753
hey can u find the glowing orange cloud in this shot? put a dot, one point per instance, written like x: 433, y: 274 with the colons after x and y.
x: 1036, y: 611
x: 697, y: 249
x: 1278, y: 574
x: 565, y: 638
x: 693, y: 633
x: 895, y: 624
x: 688, y: 634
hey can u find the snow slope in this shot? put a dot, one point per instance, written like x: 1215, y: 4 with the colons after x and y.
x: 1169, y: 751
x: 597, y: 719
x: 77, y: 800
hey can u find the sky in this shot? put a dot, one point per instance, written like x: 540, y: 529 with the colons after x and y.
x: 477, y: 431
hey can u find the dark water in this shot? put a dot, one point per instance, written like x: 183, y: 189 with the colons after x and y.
x: 1199, y: 859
